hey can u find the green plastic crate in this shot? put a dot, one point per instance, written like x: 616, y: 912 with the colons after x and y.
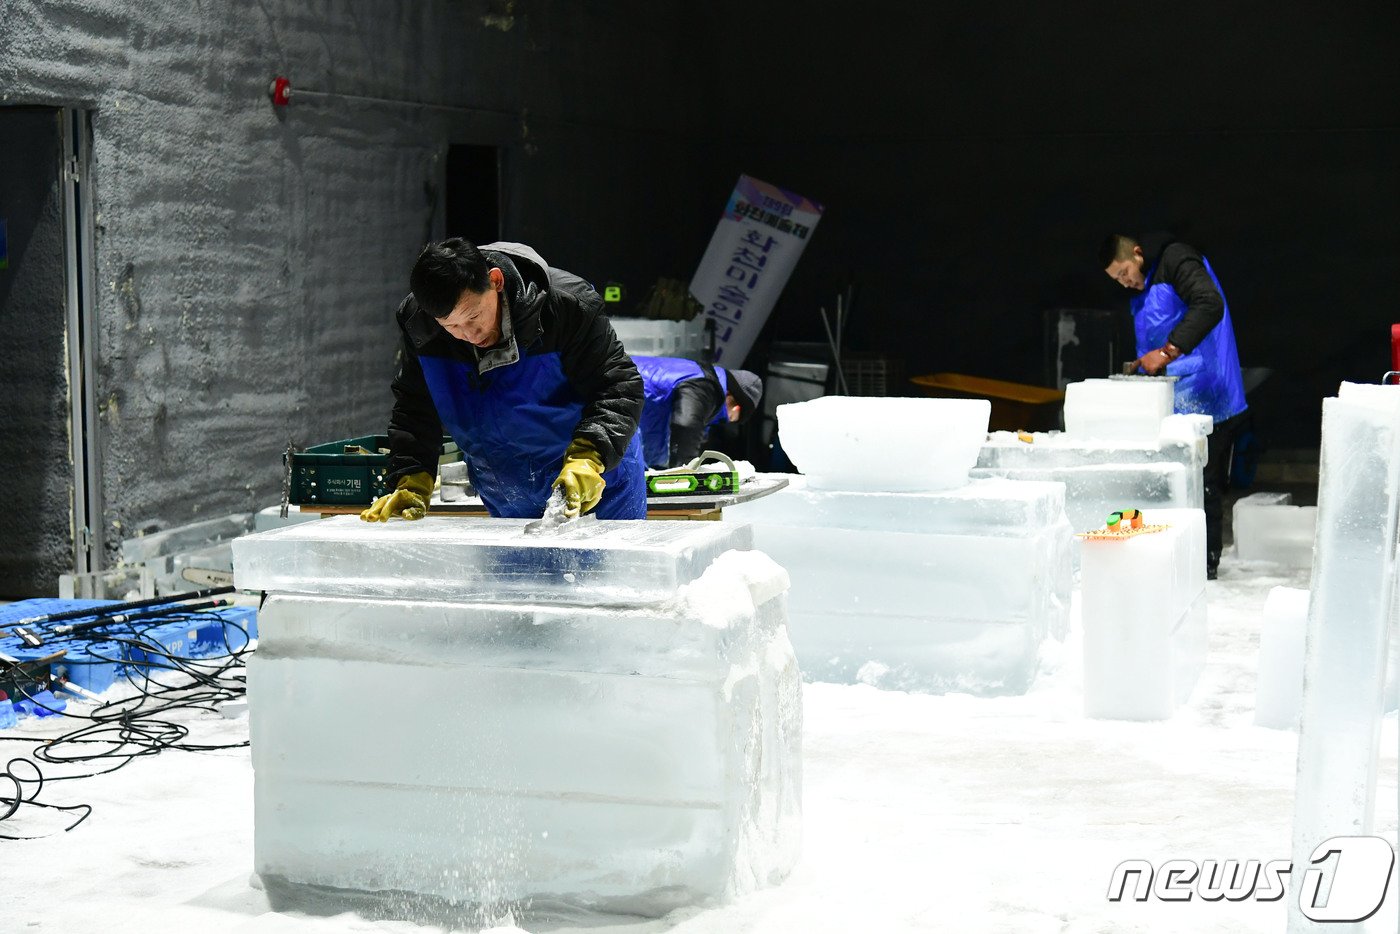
x: 350, y: 472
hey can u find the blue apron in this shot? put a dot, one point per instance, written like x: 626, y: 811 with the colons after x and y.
x: 1209, y: 381
x: 515, y: 423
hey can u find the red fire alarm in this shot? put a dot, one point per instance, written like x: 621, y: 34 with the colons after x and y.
x: 280, y: 91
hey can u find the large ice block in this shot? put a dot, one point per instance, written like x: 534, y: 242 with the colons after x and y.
x: 887, y: 444
x: 1269, y: 528
x: 943, y: 591
x: 1093, y: 491
x: 1118, y: 408
x: 1182, y: 441
x: 1353, y: 579
x: 454, y: 748
x: 1278, y: 693
x: 457, y: 558
x: 1145, y: 618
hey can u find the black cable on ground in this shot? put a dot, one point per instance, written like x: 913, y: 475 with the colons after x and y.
x: 128, y: 727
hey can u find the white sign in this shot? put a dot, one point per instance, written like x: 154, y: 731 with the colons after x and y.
x: 748, y: 261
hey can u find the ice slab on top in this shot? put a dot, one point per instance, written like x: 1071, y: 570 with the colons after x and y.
x: 604, y: 562
x: 1278, y: 694
x: 631, y: 759
x: 885, y: 444
x: 1094, y: 491
x: 1268, y: 528
x: 984, y: 507
x: 1117, y: 409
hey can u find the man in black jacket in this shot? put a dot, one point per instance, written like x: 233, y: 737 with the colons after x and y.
x: 516, y: 360
x: 1183, y: 328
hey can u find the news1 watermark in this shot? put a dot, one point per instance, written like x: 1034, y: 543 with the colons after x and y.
x: 1348, y: 882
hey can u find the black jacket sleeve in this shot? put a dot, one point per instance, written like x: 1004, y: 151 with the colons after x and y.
x: 693, y: 404
x: 599, y: 370
x: 1183, y: 268
x: 415, y: 431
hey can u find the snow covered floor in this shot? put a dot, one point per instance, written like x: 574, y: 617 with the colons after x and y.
x: 922, y: 814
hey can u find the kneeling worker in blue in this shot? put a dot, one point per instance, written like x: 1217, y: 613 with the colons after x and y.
x: 684, y: 399
x: 516, y: 360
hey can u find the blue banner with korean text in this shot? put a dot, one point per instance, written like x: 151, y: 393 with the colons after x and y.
x: 748, y: 261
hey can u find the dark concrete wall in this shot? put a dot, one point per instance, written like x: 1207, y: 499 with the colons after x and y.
x: 250, y: 260
x: 971, y: 156
x: 36, y: 542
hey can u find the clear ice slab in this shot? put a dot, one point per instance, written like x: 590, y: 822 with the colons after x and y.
x: 482, y: 559
x: 1269, y: 528
x: 942, y: 591
x: 1353, y: 581
x: 451, y: 746
x: 1278, y: 694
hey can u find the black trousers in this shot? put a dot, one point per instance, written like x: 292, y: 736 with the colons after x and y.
x: 1220, y: 446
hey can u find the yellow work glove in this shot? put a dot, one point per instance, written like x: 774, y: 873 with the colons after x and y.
x: 408, y: 501
x: 581, y: 478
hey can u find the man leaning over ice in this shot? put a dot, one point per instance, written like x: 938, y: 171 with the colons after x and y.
x: 1183, y: 328
x: 516, y: 360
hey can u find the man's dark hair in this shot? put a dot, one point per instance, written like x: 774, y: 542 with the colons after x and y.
x: 1115, y: 247
x: 446, y: 269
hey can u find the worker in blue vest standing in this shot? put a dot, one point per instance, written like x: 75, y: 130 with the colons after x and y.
x: 516, y: 360
x: 684, y: 399
x: 1183, y: 329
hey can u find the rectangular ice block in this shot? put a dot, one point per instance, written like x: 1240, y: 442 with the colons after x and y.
x: 984, y: 507
x: 602, y: 562
x: 1093, y: 491
x: 942, y: 591
x: 1117, y: 409
x: 1278, y: 692
x: 1353, y: 579
x: 1145, y: 625
x: 1188, y: 580
x: 1268, y: 528
x: 629, y: 759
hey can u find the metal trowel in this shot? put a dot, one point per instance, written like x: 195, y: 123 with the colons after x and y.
x: 555, y: 519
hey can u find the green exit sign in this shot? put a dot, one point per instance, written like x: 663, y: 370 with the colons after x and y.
x: 612, y: 292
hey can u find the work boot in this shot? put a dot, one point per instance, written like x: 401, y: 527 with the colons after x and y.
x: 1212, y: 565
